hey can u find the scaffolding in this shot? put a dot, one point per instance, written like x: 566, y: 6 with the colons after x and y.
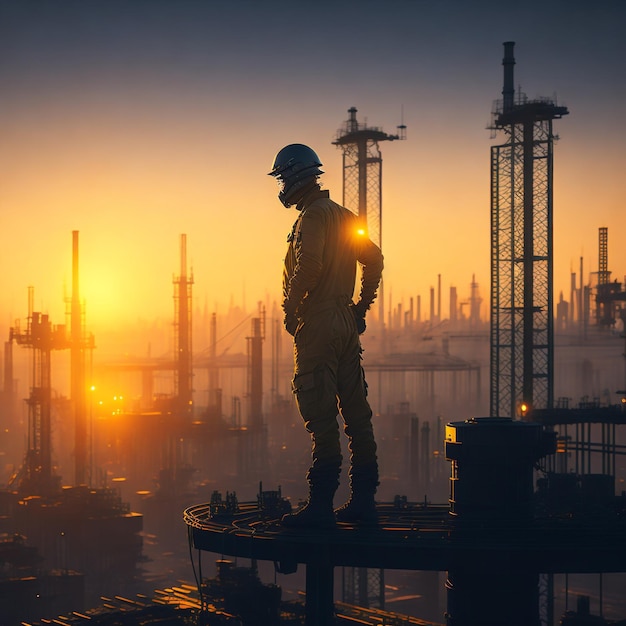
x: 609, y: 295
x: 522, y: 345
x: 37, y: 477
x: 362, y: 193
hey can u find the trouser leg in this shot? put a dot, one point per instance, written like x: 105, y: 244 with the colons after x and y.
x: 317, y: 403
x: 357, y: 415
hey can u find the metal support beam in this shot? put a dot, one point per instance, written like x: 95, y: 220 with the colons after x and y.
x: 320, y: 607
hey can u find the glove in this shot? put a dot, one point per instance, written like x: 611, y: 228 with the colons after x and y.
x: 291, y: 323
x: 359, y: 318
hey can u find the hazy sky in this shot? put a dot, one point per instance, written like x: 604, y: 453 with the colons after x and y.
x: 135, y: 121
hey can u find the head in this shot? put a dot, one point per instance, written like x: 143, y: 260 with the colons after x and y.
x: 296, y: 168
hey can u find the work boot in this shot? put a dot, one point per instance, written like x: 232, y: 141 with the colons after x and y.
x: 316, y: 513
x: 360, y: 508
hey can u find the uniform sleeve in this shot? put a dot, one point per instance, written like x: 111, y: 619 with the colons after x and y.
x: 371, y: 258
x: 309, y: 252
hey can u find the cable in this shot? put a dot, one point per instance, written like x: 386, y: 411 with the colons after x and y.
x: 193, y: 567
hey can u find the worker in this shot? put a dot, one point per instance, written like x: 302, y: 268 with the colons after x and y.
x: 325, y: 245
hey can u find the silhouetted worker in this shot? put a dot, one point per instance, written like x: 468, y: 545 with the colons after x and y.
x: 325, y: 244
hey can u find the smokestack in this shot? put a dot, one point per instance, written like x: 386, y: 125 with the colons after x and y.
x: 353, y: 125
x: 183, y: 324
x: 438, y: 297
x: 183, y: 256
x: 508, y: 89
x: 432, y: 305
x: 77, y: 367
x: 453, y: 304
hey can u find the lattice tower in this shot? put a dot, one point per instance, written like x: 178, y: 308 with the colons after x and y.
x: 522, y: 328
x: 362, y: 176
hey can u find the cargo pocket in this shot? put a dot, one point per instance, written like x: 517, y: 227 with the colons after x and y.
x: 303, y: 383
x: 315, y: 394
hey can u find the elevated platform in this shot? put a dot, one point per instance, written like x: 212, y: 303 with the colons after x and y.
x: 493, y: 538
x: 415, y: 537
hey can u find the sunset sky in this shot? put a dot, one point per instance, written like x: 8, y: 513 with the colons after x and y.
x: 135, y: 121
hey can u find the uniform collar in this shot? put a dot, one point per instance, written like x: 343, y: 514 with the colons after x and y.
x: 311, y: 196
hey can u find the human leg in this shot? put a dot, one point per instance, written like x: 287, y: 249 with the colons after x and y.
x: 315, y: 389
x: 357, y: 416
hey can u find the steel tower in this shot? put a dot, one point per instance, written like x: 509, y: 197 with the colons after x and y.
x: 362, y: 193
x: 362, y: 170
x: 522, y: 342
x: 37, y: 476
x: 362, y: 176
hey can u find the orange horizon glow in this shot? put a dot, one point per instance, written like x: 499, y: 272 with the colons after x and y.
x: 132, y: 156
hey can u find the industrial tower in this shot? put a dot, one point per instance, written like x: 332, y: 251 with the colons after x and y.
x: 182, y: 324
x: 37, y: 475
x: 362, y: 175
x: 80, y: 344
x: 362, y: 193
x: 609, y: 295
x: 522, y: 343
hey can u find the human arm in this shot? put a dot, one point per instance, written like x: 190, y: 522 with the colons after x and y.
x: 371, y: 259
x: 305, y: 263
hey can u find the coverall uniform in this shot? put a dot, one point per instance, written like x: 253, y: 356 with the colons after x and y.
x: 318, y: 286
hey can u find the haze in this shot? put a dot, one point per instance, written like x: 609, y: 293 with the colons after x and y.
x: 134, y: 122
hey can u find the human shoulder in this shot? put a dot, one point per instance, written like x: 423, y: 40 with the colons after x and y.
x: 325, y: 205
x: 319, y: 208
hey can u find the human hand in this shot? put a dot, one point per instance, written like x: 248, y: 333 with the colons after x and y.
x: 291, y: 324
x: 359, y: 318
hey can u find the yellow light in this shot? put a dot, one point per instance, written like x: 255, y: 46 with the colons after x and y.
x: 361, y: 232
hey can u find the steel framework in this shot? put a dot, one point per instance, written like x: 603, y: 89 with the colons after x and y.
x: 362, y: 177
x: 362, y: 171
x: 522, y: 327
x: 362, y: 193
x: 37, y: 477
